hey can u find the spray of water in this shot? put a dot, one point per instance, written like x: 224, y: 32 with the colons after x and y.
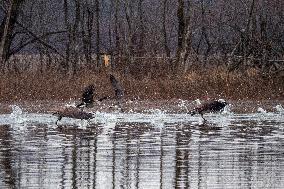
x: 17, y: 117
x: 263, y: 114
x: 228, y: 110
x: 182, y: 105
x: 279, y: 109
x: 16, y: 110
x: 197, y: 102
x: 158, y: 117
x: 261, y: 110
x: 70, y: 104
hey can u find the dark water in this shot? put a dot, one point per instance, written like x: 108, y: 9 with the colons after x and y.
x: 155, y: 150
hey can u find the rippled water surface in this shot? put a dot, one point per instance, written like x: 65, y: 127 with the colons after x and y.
x: 142, y: 150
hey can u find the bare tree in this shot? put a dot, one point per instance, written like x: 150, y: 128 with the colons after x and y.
x: 72, y: 44
x: 184, y: 35
x: 181, y: 29
x: 204, y: 34
x: 165, y: 35
x: 87, y: 21
x: 189, y: 30
x: 97, y: 9
x: 7, y: 27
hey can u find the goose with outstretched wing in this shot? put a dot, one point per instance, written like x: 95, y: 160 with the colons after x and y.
x: 211, y: 106
x: 117, y: 88
x: 87, y: 99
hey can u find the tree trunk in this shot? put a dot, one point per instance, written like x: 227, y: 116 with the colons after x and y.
x: 129, y: 38
x: 116, y: 27
x: 98, y: 31
x: 72, y: 43
x: 6, y: 31
x: 65, y: 64
x: 181, y: 28
x: 142, y: 29
x: 74, y: 39
x: 184, y: 36
x: 86, y: 27
x: 165, y: 36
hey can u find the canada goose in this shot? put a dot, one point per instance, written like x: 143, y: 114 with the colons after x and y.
x: 117, y: 87
x: 73, y: 113
x: 87, y: 97
x: 118, y: 91
x: 212, y: 106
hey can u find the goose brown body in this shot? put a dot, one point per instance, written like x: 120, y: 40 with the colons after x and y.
x: 73, y: 113
x: 207, y: 107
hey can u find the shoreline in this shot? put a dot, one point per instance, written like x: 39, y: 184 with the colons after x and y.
x: 177, y: 106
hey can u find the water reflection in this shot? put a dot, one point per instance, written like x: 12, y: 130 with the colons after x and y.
x: 246, y: 153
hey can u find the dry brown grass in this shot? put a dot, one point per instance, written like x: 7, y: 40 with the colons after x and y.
x: 200, y: 83
x: 211, y: 83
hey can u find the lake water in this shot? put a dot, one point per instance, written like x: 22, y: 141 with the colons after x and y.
x: 154, y: 149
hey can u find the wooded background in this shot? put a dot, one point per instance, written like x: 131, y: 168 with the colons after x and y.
x: 66, y: 34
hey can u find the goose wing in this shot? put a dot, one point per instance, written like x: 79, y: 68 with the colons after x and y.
x: 117, y: 87
x: 87, y: 96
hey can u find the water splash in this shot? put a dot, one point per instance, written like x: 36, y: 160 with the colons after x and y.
x: 221, y: 100
x: 157, y: 111
x: 182, y: 104
x: 261, y: 110
x: 157, y: 117
x: 83, y: 124
x: 197, y: 102
x: 17, y: 117
x: 16, y: 110
x: 262, y: 114
x: 105, y: 118
x: 70, y: 104
x: 228, y: 110
x: 279, y: 109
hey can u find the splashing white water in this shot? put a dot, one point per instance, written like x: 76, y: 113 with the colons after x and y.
x: 105, y: 118
x: 70, y: 104
x: 279, y: 108
x: 156, y: 116
x: 197, y: 102
x: 227, y: 110
x: 261, y: 110
x: 83, y: 124
x: 16, y: 110
x: 17, y: 117
x: 182, y: 104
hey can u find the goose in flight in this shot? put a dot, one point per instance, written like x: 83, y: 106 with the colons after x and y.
x: 72, y: 113
x: 118, y: 91
x: 87, y: 97
x: 117, y: 88
x: 211, y: 106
